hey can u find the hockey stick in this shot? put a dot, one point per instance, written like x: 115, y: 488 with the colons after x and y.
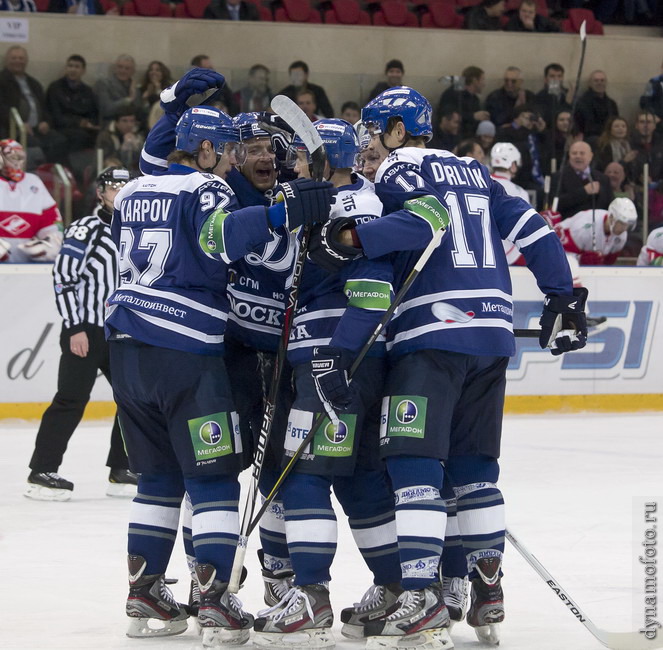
x: 526, y: 334
x: 613, y: 640
x: 412, y: 276
x: 303, y: 127
x: 574, y: 104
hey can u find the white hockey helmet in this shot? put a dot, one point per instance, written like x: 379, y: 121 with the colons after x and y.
x: 503, y: 155
x: 623, y: 209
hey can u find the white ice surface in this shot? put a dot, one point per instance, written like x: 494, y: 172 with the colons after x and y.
x: 568, y: 481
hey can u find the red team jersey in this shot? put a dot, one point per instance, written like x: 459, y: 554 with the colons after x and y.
x: 27, y: 210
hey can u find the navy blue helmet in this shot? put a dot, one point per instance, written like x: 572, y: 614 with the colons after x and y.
x: 403, y: 102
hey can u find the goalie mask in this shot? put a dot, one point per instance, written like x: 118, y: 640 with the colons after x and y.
x: 12, y: 160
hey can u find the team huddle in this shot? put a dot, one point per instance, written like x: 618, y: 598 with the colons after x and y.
x: 410, y: 440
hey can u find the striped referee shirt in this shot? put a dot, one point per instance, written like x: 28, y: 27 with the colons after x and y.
x: 85, y: 273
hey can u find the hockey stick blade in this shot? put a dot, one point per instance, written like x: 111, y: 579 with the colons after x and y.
x: 286, y: 109
x: 612, y: 640
x: 296, y: 119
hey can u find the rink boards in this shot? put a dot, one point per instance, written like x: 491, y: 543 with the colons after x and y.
x: 620, y: 369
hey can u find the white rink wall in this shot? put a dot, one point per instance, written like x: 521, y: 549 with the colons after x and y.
x: 620, y: 369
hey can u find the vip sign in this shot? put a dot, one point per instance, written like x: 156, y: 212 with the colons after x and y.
x: 621, y: 350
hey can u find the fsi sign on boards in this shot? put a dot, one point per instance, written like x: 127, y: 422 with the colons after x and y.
x: 624, y: 357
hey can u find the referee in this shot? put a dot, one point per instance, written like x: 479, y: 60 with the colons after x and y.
x: 85, y: 273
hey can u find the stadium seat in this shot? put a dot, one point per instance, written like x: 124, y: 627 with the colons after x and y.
x: 42, y: 5
x: 572, y: 23
x: 442, y: 15
x: 147, y: 8
x: 464, y: 5
x: 191, y: 8
x: 263, y: 12
x: 541, y: 7
x: 296, y: 11
x: 346, y: 12
x: 46, y: 173
x: 393, y: 13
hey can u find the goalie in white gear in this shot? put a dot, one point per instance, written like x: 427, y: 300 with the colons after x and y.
x: 30, y: 223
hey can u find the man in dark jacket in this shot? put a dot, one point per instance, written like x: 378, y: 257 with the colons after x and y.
x: 298, y: 72
x: 582, y: 188
x: 527, y: 20
x: 231, y: 10
x: 595, y: 108
x: 501, y: 102
x: 73, y: 106
x: 21, y: 91
x: 486, y: 16
x: 466, y: 100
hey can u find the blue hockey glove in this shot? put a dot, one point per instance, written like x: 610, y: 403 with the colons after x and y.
x: 329, y: 369
x: 306, y: 202
x: 324, y: 248
x: 178, y: 97
x: 563, y: 322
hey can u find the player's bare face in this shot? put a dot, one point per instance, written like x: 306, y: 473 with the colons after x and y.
x: 259, y: 168
x: 302, y: 166
x: 372, y: 158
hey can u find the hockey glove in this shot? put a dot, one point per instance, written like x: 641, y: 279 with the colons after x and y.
x: 563, y: 322
x: 5, y: 248
x: 42, y: 250
x: 329, y: 369
x: 591, y: 258
x: 306, y: 202
x: 182, y: 94
x: 326, y: 251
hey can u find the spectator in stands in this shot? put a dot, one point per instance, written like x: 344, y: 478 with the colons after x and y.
x: 486, y: 136
x: 122, y: 139
x: 256, y: 95
x: 581, y: 188
x: 351, y: 112
x: 652, y: 100
x: 555, y: 140
x: 305, y: 99
x: 527, y: 20
x: 614, y: 145
x: 18, y: 5
x: 224, y: 95
x: 554, y: 96
x: 656, y: 205
x: 486, y: 16
x: 82, y: 7
x: 446, y: 135
x: 21, y: 91
x: 595, y: 108
x: 618, y: 181
x: 157, y: 78
x: 298, y: 71
x: 393, y: 72
x: 525, y: 133
x: 231, y: 10
x: 471, y: 148
x: 466, y: 100
x: 119, y: 90
x: 648, y: 144
x: 501, y: 102
x: 73, y: 106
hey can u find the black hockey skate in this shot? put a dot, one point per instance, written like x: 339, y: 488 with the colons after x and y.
x: 302, y: 619
x: 487, y: 609
x: 277, y: 583
x: 151, y: 605
x: 220, y: 613
x: 379, y: 601
x: 48, y: 486
x: 421, y: 621
x: 122, y: 483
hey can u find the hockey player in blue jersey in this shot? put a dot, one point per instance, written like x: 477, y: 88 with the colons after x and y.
x: 449, y: 345
x: 337, y: 308
x: 177, y: 232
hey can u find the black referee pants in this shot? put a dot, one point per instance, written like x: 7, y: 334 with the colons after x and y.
x: 76, y: 377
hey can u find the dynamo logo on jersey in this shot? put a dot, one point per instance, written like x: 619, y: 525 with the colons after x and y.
x: 336, y: 435
x: 210, y: 433
x: 406, y: 412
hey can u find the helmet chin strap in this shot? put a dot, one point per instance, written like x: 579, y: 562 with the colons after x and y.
x: 209, y: 170
x: 400, y: 146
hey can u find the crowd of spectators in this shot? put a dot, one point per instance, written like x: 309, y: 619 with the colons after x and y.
x: 71, y: 122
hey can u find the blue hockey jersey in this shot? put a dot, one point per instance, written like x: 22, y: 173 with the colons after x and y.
x: 342, y: 309
x: 462, y: 299
x: 177, y: 232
